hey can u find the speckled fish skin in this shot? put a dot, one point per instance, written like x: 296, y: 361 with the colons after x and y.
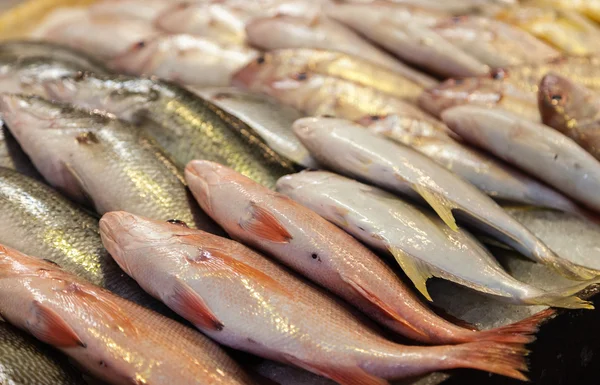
x: 410, y: 40
x: 318, y: 94
x: 571, y: 109
x: 186, y: 126
x: 268, y: 118
x: 407, y: 85
x: 39, y: 221
x: 493, y: 42
x: 495, y: 178
x: 112, y: 338
x: 283, y: 31
x: 301, y: 239
x: 363, y: 155
x: 253, y: 304
x: 482, y: 91
x: 185, y: 59
x: 421, y: 243
x: 26, y: 361
x: 147, y: 10
x: 535, y: 148
x: 94, y: 158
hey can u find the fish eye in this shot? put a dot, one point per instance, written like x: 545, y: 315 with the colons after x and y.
x: 498, y: 74
x: 177, y: 222
x: 459, y: 81
x: 260, y: 59
x: 140, y: 44
x: 301, y: 76
x: 556, y: 98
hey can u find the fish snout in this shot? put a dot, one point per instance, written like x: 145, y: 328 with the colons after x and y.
x: 200, y: 176
x: 306, y: 128
x: 116, y: 224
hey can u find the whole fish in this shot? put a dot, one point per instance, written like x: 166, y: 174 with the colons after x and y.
x: 101, y: 37
x: 26, y: 361
x: 421, y: 243
x: 185, y: 125
x: 245, y: 301
x: 320, y: 32
x: 409, y: 39
x: 94, y: 158
x: 533, y: 147
x: 493, y: 42
x: 41, y: 222
x: 185, y: 59
x: 350, y: 149
x: 317, y: 94
x: 146, y: 10
x: 268, y: 118
x: 571, y: 109
x: 407, y: 85
x: 482, y: 91
x: 112, y: 338
x: 497, y: 179
x: 320, y: 251
x: 567, y: 30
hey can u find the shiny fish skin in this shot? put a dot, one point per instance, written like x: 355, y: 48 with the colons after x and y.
x: 147, y: 10
x: 590, y: 8
x: 253, y: 304
x: 26, y: 361
x: 534, y: 147
x: 268, y: 118
x: 571, y: 109
x: 39, y: 221
x: 497, y: 179
x: 493, y: 42
x: 421, y: 243
x: 320, y: 32
x: 301, y: 239
x: 361, y: 154
x: 94, y: 158
x: 112, y: 338
x: 407, y: 85
x: 410, y: 40
x: 185, y: 59
x: 13, y: 157
x: 482, y: 91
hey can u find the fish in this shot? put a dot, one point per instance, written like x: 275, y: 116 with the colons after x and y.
x: 299, y: 238
x: 536, y: 148
x: 146, y: 10
x: 482, y: 91
x: 185, y: 59
x: 96, y: 159
x: 460, y: 7
x: 407, y: 86
x: 26, y: 361
x: 186, y: 126
x: 268, y: 118
x: 409, y: 39
x: 497, y: 179
x: 317, y: 94
x: 572, y: 109
x: 421, y: 243
x: 103, y: 38
x: 41, y: 222
x: 567, y: 30
x: 288, y: 375
x: 590, y: 8
x: 365, y: 156
x: 493, y: 42
x: 13, y: 157
x: 110, y: 337
x: 253, y: 304
x: 320, y: 32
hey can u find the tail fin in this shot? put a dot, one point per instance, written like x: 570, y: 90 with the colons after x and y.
x: 504, y: 359
x: 521, y: 332
x: 565, y: 298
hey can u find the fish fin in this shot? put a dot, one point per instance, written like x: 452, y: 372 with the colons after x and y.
x: 565, y: 298
x: 343, y: 376
x: 385, y: 308
x: 190, y: 305
x: 455, y: 320
x: 417, y: 271
x: 78, y: 180
x: 520, y: 332
x: 340, y: 213
x: 264, y: 225
x: 361, y: 160
x: 440, y: 204
x: 47, y: 326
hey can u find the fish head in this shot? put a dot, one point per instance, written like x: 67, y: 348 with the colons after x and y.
x: 142, y: 56
x: 293, y: 183
x: 251, y: 75
x: 181, y: 16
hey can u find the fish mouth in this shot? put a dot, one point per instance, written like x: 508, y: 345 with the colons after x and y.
x: 200, y: 175
x: 305, y: 127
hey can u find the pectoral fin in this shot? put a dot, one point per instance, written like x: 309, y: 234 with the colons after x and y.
x: 418, y: 272
x: 47, y: 326
x: 191, y: 306
x: 442, y: 206
x: 265, y: 226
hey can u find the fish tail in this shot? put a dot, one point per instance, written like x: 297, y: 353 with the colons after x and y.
x: 504, y: 359
x: 521, y: 332
x: 565, y: 298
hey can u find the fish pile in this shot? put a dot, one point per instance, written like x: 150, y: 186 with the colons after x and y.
x: 253, y: 192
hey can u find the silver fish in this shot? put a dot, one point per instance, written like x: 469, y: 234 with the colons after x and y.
x: 534, y: 147
x: 421, y: 243
x: 245, y: 301
x: 352, y: 150
x: 270, y: 119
